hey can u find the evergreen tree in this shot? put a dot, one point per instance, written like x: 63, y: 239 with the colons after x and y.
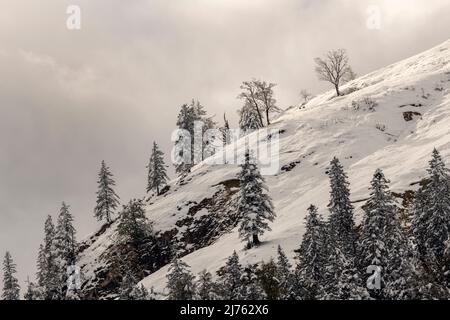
x: 47, y: 266
x: 157, y: 175
x: 284, y: 275
x: 373, y: 251
x: 269, y: 278
x: 251, y: 288
x: 134, y: 225
x: 206, y: 288
x: 226, y: 138
x: 255, y: 206
x: 230, y: 279
x: 183, y: 143
x: 341, y: 223
x: 432, y: 221
x: 312, y: 257
x: 107, y: 199
x: 135, y: 235
x: 65, y: 247
x: 180, y: 281
x: 32, y: 292
x: 11, y: 289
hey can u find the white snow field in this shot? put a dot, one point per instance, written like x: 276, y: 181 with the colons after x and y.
x: 366, y: 129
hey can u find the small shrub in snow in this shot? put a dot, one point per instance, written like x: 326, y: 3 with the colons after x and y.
x: 365, y: 104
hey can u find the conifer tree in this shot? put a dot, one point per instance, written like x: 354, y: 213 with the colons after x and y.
x: 284, y: 275
x: 230, y: 279
x: 431, y: 223
x: 134, y: 225
x: 32, y: 292
x: 11, y: 288
x: 312, y: 257
x: 255, y: 205
x: 206, y: 287
x: 157, y: 175
x: 341, y: 223
x: 180, y: 281
x: 184, y: 144
x: 65, y: 247
x: 47, y: 265
x: 251, y: 288
x: 373, y: 251
x: 226, y: 138
x: 107, y: 199
x: 270, y: 278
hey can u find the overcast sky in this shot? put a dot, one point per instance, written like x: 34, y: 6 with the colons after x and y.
x: 70, y: 98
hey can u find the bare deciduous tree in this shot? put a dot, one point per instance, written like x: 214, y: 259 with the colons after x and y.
x: 334, y: 68
x: 258, y: 95
x: 306, y: 96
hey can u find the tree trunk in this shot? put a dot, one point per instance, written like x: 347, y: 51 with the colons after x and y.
x: 157, y: 190
x: 337, y: 90
x: 255, y: 239
x: 267, y: 116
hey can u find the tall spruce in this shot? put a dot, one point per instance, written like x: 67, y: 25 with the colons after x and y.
x: 312, y: 257
x: 206, y: 287
x: 251, y: 286
x: 47, y: 265
x: 107, y: 199
x: 254, y: 206
x: 157, y: 175
x: 65, y: 247
x: 11, y: 288
x: 180, y: 281
x: 284, y: 275
x: 373, y: 246
x: 230, y: 279
x: 341, y: 223
x: 432, y: 221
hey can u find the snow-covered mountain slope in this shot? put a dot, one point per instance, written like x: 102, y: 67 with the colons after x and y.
x: 390, y: 119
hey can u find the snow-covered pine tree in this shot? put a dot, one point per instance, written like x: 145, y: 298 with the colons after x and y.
x: 269, y: 279
x: 284, y: 275
x: 312, y: 257
x: 183, y: 144
x: 251, y: 287
x: 11, y: 288
x: 206, y: 287
x: 134, y: 236
x: 373, y: 246
x: 225, y: 130
x: 32, y: 292
x: 341, y: 222
x: 230, y: 279
x: 107, y: 199
x: 398, y: 271
x: 254, y: 206
x: 47, y: 275
x: 65, y: 247
x: 133, y: 225
x: 180, y: 281
x: 342, y: 280
x: 157, y: 175
x: 432, y: 220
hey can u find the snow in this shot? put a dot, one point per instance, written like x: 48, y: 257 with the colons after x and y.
x: 326, y: 127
